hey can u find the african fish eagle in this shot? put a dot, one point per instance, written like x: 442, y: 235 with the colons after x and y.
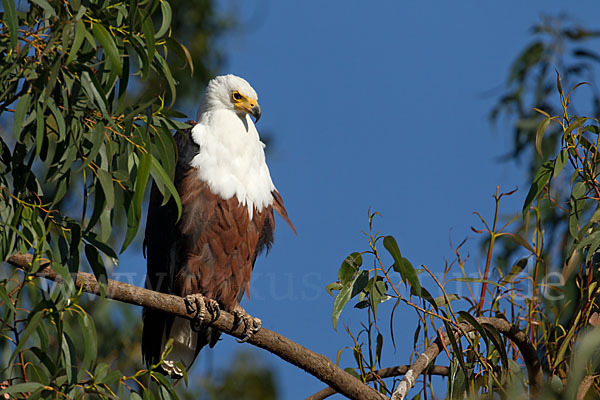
x: 227, y: 199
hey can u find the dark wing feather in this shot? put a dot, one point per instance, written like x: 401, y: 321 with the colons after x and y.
x: 162, y: 244
x: 278, y: 206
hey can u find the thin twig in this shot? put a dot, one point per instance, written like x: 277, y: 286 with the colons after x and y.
x: 534, y: 368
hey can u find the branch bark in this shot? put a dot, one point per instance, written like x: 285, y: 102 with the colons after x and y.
x: 534, y: 368
x: 382, y: 373
x: 315, y: 364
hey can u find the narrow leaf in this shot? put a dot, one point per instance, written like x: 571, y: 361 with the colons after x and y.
x: 10, y: 18
x: 159, y: 174
x: 133, y: 220
x: 166, y: 12
x: 20, y: 112
x: 109, y: 46
x: 107, y: 187
x: 540, y: 135
x: 77, y: 41
x: 542, y: 177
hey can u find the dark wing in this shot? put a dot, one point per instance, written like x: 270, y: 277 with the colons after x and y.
x: 162, y: 245
x: 278, y: 206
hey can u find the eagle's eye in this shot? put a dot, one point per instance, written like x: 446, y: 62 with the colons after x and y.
x: 236, y: 96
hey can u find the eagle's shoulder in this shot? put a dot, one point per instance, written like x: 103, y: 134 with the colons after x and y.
x: 187, y: 149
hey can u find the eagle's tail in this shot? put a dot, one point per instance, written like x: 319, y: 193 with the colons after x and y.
x: 187, y: 343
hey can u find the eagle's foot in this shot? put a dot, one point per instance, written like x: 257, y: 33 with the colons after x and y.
x: 251, y: 325
x: 195, y: 304
x: 200, y: 305
x: 212, y: 306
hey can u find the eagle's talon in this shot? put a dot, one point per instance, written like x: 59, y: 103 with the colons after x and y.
x: 214, y: 309
x: 251, y: 325
x: 195, y: 303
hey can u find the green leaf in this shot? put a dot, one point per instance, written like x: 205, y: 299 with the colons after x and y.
x: 576, y: 203
x: 476, y: 280
x: 514, y: 271
x: 456, y: 347
x: 94, y: 92
x: 182, y: 52
x: 339, y: 303
x: 560, y: 162
x: 446, y: 299
x: 40, y: 129
x: 47, y: 7
x: 148, y: 31
x: 159, y: 174
x: 77, y: 41
x: 349, y: 267
x: 377, y: 294
x: 540, y: 135
x: 465, y: 316
x: 166, y: 12
x: 588, y: 240
x: 96, y: 138
x: 97, y: 265
x: 6, y: 299
x: 542, y: 177
x: 133, y: 220
x: 495, y: 337
x: 333, y: 286
x: 346, y: 293
x: 425, y: 295
x: 360, y: 282
x: 402, y: 265
x: 109, y: 46
x: 20, y: 112
x: 166, y: 73
x: 528, y: 58
x: 88, y: 330
x: 585, y: 359
x: 10, y: 19
x: 30, y: 328
x: 164, y: 383
x: 22, y: 388
x: 107, y: 187
x: 518, y: 239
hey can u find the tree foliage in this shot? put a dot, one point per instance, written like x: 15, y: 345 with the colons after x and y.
x: 541, y: 266
x: 88, y: 88
x: 85, y: 142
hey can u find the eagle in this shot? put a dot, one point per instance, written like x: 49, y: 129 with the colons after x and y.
x: 227, y: 220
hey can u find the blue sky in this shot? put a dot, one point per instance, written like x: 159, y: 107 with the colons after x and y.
x: 380, y: 105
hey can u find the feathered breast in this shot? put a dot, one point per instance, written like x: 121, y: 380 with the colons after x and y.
x: 221, y: 242
x: 232, y: 160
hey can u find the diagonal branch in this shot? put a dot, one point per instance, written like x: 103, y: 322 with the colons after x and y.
x: 315, y: 364
x: 534, y: 368
x: 382, y: 373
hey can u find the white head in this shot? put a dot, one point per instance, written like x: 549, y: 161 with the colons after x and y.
x: 231, y: 92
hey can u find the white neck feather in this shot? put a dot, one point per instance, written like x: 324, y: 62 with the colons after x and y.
x: 232, y: 159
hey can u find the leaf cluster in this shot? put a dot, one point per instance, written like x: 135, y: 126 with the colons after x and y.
x: 79, y: 149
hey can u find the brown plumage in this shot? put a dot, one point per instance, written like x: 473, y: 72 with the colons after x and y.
x: 221, y: 242
x: 211, y: 249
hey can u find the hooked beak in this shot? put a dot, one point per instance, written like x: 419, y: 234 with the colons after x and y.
x: 256, y: 113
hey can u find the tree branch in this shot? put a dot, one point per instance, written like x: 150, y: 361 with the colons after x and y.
x: 534, y: 368
x: 315, y: 364
x: 382, y: 373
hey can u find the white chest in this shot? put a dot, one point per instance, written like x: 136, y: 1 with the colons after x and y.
x: 232, y: 159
